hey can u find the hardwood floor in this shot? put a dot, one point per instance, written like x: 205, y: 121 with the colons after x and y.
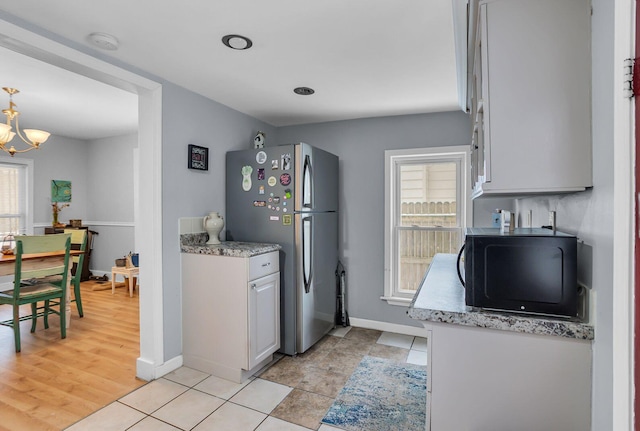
x: 53, y: 383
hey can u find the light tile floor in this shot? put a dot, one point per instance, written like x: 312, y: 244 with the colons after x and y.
x: 293, y: 394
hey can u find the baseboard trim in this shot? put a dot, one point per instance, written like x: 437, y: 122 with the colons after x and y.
x: 389, y: 327
x: 145, y: 369
x: 170, y: 365
x: 148, y: 371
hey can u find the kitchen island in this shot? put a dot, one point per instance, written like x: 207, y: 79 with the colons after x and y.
x: 498, y: 370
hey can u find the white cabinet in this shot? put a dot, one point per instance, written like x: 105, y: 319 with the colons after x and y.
x: 230, y: 313
x: 530, y: 99
x: 264, y: 319
x: 489, y: 379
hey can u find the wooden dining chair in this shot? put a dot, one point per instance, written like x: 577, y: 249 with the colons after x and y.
x: 78, y: 242
x: 29, y: 287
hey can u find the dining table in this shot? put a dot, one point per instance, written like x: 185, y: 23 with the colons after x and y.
x: 33, y: 261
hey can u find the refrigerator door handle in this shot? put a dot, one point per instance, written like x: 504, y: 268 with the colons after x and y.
x: 307, y: 183
x: 307, y: 252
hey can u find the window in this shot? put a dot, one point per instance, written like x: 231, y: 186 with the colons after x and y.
x: 425, y: 214
x: 16, y: 215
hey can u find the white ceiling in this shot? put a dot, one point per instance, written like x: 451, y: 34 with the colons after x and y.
x: 65, y: 103
x: 364, y: 58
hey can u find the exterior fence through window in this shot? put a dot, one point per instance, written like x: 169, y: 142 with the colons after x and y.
x: 426, y: 228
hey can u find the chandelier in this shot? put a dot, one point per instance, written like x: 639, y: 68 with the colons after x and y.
x: 32, y: 137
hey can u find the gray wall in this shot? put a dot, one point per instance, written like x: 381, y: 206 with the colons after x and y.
x: 589, y: 214
x: 189, y: 118
x: 110, y: 179
x: 360, y: 144
x: 101, y: 173
x: 110, y: 199
x: 59, y: 158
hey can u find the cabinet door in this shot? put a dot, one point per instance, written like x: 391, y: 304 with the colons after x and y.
x: 480, y: 160
x: 534, y: 62
x: 482, y: 120
x: 264, y: 318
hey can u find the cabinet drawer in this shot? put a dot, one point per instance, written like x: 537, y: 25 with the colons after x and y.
x: 263, y: 264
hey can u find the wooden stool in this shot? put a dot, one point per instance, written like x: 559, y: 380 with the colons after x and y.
x: 130, y: 275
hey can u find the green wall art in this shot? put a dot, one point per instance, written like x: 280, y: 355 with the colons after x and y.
x: 60, y: 191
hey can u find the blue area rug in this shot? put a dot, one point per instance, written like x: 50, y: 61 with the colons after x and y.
x: 381, y: 395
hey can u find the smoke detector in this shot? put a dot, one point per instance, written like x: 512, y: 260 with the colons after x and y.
x: 104, y: 41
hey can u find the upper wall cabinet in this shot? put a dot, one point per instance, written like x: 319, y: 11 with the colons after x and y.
x: 530, y: 99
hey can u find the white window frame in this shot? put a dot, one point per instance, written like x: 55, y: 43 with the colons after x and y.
x: 28, y: 186
x: 393, y: 159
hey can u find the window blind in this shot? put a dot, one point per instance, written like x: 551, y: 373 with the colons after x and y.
x: 12, y: 199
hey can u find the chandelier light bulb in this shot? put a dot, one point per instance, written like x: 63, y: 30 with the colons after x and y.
x: 37, y: 136
x: 5, y: 133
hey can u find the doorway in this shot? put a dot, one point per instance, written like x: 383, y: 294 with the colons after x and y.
x: 148, y: 234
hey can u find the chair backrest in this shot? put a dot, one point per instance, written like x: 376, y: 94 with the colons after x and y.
x: 78, y: 242
x: 30, y: 244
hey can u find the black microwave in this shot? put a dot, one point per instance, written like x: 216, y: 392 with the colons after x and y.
x: 529, y: 270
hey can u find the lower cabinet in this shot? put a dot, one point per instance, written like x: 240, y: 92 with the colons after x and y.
x: 489, y: 379
x: 230, y: 313
x: 264, y: 319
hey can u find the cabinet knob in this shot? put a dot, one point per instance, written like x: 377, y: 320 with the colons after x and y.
x: 253, y: 285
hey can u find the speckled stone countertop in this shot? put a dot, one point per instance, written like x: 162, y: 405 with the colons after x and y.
x: 440, y: 299
x: 195, y: 243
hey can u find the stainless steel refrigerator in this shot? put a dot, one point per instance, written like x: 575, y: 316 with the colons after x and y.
x: 288, y: 195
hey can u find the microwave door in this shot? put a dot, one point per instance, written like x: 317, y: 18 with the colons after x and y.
x: 460, y: 275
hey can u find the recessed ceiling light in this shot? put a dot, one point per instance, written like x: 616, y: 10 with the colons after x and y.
x: 104, y: 41
x: 304, y: 91
x: 235, y: 41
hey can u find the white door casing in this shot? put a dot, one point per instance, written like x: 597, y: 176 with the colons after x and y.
x: 148, y: 236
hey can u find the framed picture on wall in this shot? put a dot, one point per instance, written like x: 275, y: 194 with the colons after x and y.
x: 60, y: 191
x: 198, y: 158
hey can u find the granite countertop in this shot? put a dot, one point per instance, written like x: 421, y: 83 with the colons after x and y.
x: 195, y: 243
x: 440, y: 299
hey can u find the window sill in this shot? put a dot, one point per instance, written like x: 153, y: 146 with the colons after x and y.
x: 394, y: 300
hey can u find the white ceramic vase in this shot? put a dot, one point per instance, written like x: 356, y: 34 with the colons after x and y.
x: 213, y: 225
